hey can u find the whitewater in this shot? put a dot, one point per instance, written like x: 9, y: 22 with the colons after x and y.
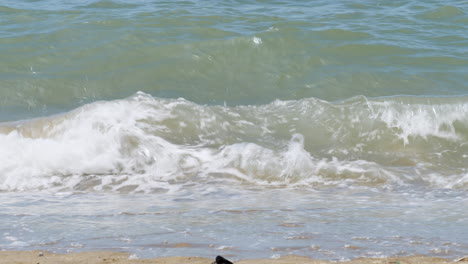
x: 249, y: 129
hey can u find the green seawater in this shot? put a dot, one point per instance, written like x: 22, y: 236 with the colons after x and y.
x: 248, y: 129
x: 58, y: 55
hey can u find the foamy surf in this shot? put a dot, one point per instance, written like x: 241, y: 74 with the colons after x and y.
x: 142, y: 144
x: 290, y: 139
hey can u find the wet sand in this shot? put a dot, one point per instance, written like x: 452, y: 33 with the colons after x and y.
x: 103, y: 257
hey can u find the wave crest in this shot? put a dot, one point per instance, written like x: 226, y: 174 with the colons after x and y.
x: 143, y: 144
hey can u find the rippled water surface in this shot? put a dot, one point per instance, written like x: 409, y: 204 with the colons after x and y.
x: 249, y: 129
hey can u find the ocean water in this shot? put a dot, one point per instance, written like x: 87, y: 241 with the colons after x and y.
x: 250, y: 129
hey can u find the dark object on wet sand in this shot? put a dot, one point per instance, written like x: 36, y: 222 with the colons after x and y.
x: 221, y: 260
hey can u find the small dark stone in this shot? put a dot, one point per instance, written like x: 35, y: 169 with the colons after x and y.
x: 221, y: 260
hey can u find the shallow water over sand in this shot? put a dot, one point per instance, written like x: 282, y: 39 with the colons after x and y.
x: 333, y: 224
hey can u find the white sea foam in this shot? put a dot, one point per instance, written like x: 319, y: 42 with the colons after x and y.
x: 143, y: 144
x: 419, y: 120
x: 257, y: 40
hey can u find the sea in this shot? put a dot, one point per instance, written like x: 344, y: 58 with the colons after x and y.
x: 244, y: 128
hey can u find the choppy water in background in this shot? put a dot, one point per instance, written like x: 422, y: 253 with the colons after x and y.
x: 244, y: 128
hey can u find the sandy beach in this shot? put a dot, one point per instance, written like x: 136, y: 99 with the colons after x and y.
x: 102, y: 257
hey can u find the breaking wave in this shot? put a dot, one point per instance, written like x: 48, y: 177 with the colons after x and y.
x: 144, y: 144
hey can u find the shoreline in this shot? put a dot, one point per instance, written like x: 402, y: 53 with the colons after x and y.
x: 107, y: 257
